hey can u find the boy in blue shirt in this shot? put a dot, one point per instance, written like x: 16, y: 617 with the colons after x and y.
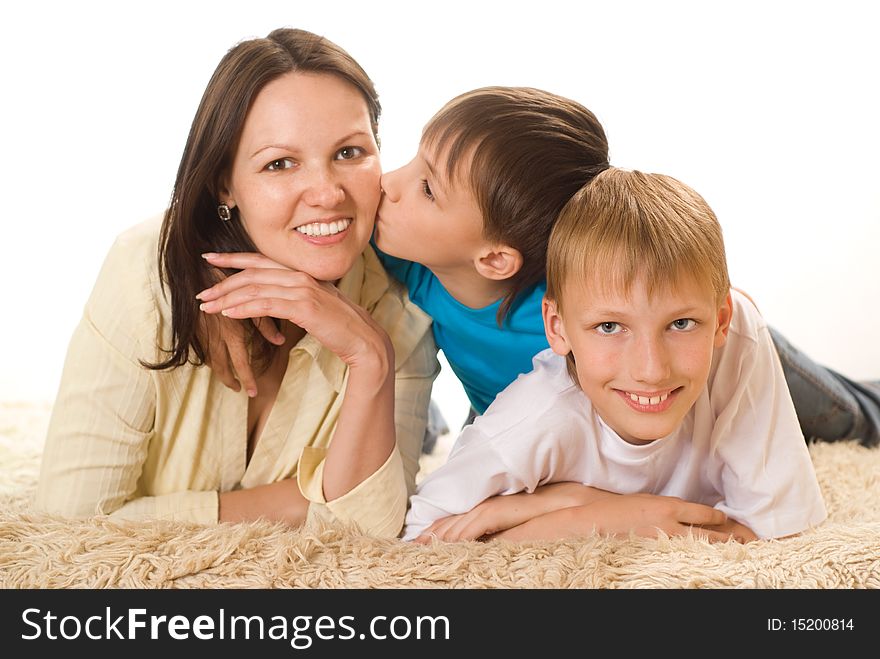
x: 465, y: 226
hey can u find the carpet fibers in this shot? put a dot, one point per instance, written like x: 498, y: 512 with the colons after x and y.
x: 41, y: 551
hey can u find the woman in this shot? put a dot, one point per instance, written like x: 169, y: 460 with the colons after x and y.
x: 281, y: 163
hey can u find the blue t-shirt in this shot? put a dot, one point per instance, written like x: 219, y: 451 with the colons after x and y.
x: 485, y: 357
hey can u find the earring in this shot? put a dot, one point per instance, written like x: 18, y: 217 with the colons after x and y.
x: 224, y: 212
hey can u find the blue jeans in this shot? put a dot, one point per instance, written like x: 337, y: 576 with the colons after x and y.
x: 829, y: 405
x: 436, y: 426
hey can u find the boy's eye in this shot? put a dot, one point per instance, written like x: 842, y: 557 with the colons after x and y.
x: 608, y: 328
x: 426, y: 190
x: 349, y: 153
x: 281, y: 163
x: 683, y: 324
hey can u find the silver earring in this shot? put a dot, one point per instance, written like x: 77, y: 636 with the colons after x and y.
x: 224, y: 212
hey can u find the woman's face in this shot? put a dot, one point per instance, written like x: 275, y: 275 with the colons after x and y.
x: 305, y: 177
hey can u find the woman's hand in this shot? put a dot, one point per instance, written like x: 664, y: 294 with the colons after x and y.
x: 364, y: 437
x: 227, y: 352
x: 265, y: 288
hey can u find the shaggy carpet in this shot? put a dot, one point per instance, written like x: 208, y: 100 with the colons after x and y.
x: 40, y: 551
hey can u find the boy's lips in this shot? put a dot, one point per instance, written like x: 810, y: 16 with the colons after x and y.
x: 649, y: 401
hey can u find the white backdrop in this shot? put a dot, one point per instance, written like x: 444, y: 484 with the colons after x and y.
x: 769, y: 109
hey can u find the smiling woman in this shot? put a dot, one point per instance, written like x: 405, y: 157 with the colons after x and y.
x: 306, y: 174
x: 277, y: 189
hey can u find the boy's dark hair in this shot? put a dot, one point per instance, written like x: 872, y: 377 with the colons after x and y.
x: 527, y: 152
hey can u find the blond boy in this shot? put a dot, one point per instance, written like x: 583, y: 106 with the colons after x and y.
x: 659, y: 381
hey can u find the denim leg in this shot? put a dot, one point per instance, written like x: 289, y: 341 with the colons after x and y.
x: 829, y: 405
x: 436, y: 426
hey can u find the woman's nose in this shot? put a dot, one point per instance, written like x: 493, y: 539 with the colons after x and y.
x: 323, y: 190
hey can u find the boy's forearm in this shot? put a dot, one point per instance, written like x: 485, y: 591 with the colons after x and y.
x: 567, y: 494
x: 542, y: 514
x: 517, y: 509
x: 555, y: 525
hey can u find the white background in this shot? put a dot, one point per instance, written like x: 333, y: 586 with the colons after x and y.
x: 769, y: 109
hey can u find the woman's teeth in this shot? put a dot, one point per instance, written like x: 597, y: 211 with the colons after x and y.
x: 644, y: 400
x: 324, y: 228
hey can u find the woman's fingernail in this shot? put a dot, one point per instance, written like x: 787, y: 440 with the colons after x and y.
x: 209, y: 255
x: 252, y: 393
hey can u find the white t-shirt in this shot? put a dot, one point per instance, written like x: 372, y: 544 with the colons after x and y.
x: 739, y: 449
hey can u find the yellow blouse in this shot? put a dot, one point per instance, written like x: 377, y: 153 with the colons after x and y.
x: 135, y: 443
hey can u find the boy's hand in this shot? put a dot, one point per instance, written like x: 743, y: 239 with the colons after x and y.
x: 495, y: 514
x: 641, y: 514
x: 733, y: 529
x: 503, y: 512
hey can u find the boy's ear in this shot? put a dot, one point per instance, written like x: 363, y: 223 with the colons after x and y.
x: 554, y: 328
x: 725, y: 314
x: 498, y: 262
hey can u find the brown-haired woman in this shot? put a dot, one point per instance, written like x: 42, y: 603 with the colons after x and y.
x: 280, y: 174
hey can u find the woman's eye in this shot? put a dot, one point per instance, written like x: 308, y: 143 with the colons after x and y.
x: 683, y: 324
x: 426, y: 190
x: 349, y: 153
x: 281, y: 163
x: 608, y: 328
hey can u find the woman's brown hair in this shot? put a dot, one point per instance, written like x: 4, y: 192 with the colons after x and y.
x: 527, y: 152
x: 191, y: 226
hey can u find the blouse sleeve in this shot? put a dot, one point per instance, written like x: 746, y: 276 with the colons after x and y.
x: 378, y: 504
x: 103, y: 417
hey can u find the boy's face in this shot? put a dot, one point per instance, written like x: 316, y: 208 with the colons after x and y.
x: 426, y: 218
x: 643, y: 361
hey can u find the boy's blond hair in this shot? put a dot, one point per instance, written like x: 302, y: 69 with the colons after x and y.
x: 627, y: 225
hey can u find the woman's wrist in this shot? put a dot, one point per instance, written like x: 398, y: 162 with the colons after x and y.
x: 375, y: 360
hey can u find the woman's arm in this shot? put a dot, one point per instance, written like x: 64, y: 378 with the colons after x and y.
x: 103, y: 418
x: 363, y: 447
x: 277, y: 502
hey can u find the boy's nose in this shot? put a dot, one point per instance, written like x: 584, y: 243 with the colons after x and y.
x: 649, y: 362
x: 388, y: 182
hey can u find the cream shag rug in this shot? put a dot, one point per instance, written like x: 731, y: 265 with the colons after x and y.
x: 39, y: 551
